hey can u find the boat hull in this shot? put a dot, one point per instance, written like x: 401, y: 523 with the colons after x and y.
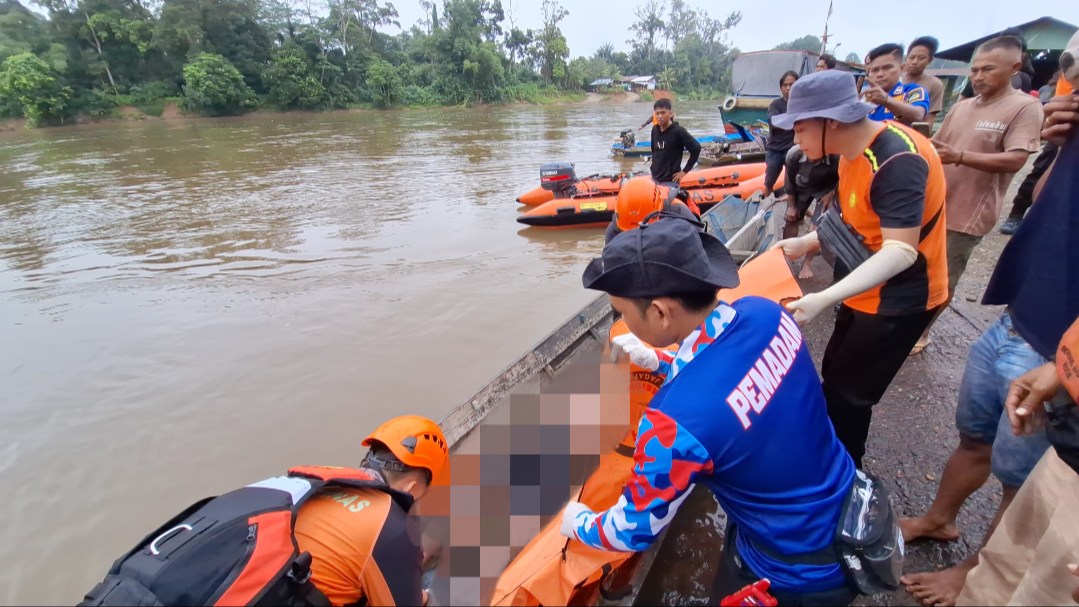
x: 644, y: 148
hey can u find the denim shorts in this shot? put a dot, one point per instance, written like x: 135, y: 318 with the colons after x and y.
x: 999, y: 356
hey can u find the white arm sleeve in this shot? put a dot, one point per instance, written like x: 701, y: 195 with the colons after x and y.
x: 893, y: 257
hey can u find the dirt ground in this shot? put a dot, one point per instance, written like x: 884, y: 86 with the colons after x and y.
x: 913, y: 430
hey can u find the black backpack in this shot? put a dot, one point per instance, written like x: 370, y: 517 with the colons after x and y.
x: 234, y: 549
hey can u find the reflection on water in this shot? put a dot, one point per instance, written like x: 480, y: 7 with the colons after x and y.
x: 189, y: 306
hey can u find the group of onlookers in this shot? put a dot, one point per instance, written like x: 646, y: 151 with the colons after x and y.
x: 985, y: 139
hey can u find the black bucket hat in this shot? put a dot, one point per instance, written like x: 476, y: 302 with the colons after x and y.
x: 670, y: 256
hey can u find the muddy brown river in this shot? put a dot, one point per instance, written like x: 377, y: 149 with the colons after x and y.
x: 188, y: 306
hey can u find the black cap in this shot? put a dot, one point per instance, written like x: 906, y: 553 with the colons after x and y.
x: 671, y: 256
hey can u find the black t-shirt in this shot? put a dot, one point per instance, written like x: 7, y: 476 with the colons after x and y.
x: 1063, y: 432
x: 898, y: 191
x: 811, y: 179
x: 779, y: 140
x: 667, y: 149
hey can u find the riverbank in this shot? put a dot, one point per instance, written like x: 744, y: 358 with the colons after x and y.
x: 171, y: 111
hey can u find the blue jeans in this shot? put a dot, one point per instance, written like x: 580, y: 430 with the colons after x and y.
x: 998, y: 357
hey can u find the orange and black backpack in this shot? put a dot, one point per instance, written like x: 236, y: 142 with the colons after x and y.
x: 234, y: 549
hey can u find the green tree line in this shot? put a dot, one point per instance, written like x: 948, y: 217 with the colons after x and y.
x: 222, y: 57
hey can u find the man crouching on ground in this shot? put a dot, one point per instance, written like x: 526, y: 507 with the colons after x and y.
x: 741, y: 410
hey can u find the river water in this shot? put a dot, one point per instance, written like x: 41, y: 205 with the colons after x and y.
x: 188, y: 306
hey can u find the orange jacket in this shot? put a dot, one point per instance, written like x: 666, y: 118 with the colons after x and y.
x: 363, y: 545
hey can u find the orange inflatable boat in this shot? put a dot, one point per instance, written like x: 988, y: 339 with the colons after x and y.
x: 559, y: 180
x: 596, y: 185
x: 706, y: 187
x: 552, y: 570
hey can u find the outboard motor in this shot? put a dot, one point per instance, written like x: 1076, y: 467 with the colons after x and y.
x: 558, y: 177
x: 628, y: 139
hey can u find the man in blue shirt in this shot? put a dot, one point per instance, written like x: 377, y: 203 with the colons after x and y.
x: 906, y: 103
x: 741, y: 410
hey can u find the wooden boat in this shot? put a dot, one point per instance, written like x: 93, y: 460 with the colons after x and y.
x: 627, y: 145
x: 714, y: 156
x: 619, y: 579
x: 749, y: 149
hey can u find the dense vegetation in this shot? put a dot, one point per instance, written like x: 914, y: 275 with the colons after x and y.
x: 219, y: 57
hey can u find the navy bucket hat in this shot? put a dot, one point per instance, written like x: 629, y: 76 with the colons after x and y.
x: 671, y: 256
x: 829, y: 94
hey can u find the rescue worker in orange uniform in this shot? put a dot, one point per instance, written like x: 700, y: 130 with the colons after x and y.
x: 640, y: 197
x: 364, y: 546
x: 889, y: 221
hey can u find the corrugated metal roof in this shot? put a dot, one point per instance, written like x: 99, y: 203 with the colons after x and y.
x: 1041, y: 34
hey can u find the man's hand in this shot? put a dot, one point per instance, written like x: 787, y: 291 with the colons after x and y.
x: 875, y: 94
x: 792, y: 212
x: 1075, y: 571
x: 640, y: 354
x: 948, y: 154
x: 1061, y: 116
x: 826, y: 202
x: 569, y: 518
x: 808, y: 307
x: 1025, y: 403
x: 678, y: 176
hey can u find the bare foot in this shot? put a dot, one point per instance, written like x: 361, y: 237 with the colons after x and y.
x: 805, y: 273
x: 937, y: 587
x: 922, y: 344
x: 914, y: 528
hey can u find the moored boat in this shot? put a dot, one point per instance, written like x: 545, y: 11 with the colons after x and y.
x: 627, y: 145
x: 706, y: 187
x: 749, y: 149
x: 570, y: 185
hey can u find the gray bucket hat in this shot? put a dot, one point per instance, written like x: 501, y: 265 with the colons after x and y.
x: 828, y: 94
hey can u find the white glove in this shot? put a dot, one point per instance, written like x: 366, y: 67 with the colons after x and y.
x: 569, y: 518
x: 808, y: 307
x: 893, y: 257
x: 794, y: 248
x: 640, y: 354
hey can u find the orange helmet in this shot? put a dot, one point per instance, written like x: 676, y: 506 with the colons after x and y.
x: 638, y: 198
x: 416, y: 441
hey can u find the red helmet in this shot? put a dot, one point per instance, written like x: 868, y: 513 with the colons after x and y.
x: 638, y: 198
x: 416, y: 441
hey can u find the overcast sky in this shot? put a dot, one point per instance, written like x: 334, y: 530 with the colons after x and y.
x: 857, y: 25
